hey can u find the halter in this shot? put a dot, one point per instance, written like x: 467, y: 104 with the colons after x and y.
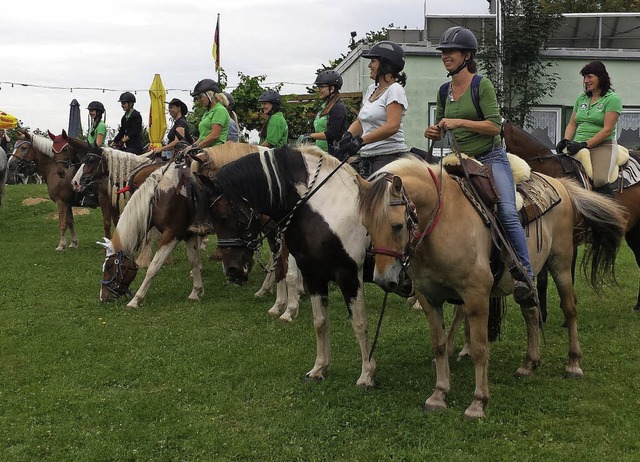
x: 415, y: 236
x: 117, y: 285
x: 248, y: 218
x: 94, y: 178
x: 24, y: 166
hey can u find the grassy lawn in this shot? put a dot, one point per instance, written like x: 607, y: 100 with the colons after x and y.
x: 219, y: 380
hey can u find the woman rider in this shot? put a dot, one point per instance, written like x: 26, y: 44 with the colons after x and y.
x: 275, y: 131
x: 180, y: 130
x: 214, y: 125
x: 97, y: 130
x: 480, y: 138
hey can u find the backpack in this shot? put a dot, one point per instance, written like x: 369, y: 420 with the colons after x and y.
x: 475, y: 94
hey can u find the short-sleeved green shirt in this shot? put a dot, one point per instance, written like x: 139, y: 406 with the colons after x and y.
x: 277, y: 131
x: 320, y: 126
x: 101, y: 129
x: 472, y: 143
x: 218, y: 114
x: 590, y: 117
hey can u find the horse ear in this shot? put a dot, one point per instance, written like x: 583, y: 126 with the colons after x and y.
x: 397, y: 184
x: 108, y: 245
x: 64, y: 135
x: 51, y: 135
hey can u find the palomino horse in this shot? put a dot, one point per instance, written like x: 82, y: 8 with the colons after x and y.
x: 162, y: 202
x: 542, y: 160
x: 417, y: 214
x: 320, y: 225
x: 56, y: 162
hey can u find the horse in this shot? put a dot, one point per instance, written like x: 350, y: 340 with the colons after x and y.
x: 162, y: 202
x: 4, y: 172
x: 319, y: 222
x: 543, y: 160
x: 417, y: 215
x: 56, y: 161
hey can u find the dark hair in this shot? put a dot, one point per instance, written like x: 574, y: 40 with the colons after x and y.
x: 597, y: 68
x: 386, y: 67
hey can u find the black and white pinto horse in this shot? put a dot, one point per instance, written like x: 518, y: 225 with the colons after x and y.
x: 322, y: 231
x: 4, y: 171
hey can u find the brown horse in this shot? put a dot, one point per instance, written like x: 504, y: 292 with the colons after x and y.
x: 542, y: 160
x: 418, y: 216
x: 56, y: 162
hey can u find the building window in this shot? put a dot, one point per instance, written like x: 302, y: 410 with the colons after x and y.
x: 628, y: 129
x: 545, y: 126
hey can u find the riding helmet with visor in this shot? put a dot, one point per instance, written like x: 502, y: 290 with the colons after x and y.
x: 205, y: 85
x: 458, y: 38
x: 96, y: 106
x: 127, y: 97
x: 389, y: 51
x: 270, y: 96
x: 330, y: 78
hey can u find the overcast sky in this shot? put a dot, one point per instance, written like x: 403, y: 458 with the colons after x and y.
x: 119, y: 45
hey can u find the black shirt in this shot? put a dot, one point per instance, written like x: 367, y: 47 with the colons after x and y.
x: 181, y: 122
x: 132, y: 127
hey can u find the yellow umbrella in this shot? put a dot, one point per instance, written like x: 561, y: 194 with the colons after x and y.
x: 7, y: 121
x: 157, y: 118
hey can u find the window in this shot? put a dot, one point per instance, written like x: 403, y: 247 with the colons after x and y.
x: 629, y: 129
x: 545, y: 126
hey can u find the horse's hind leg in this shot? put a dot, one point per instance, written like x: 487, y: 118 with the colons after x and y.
x: 281, y: 299
x: 158, y: 260
x: 633, y: 241
x: 532, y: 360
x: 193, y: 254
x: 293, y: 284
x: 63, y: 222
x: 71, y: 227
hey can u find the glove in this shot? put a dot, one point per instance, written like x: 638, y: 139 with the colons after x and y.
x: 306, y: 138
x: 561, y: 145
x: 573, y: 147
x: 348, y: 145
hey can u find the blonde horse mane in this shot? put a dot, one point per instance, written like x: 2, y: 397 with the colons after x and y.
x: 120, y: 165
x: 216, y: 157
x: 43, y: 144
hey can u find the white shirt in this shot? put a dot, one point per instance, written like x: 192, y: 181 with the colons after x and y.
x: 373, y: 115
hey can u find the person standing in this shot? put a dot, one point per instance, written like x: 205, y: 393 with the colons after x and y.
x: 180, y: 130
x: 4, y: 141
x: 480, y: 138
x: 214, y: 124
x: 275, y: 131
x: 593, y: 124
x: 378, y: 134
x: 97, y: 133
x: 129, y: 136
x: 331, y: 121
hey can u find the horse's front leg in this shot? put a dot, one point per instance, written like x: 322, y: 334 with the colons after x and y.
x: 477, y: 311
x: 359, y: 322
x: 438, y: 399
x: 158, y: 260
x: 293, y: 284
x: 193, y: 254
x: 63, y: 219
x: 319, y: 304
x: 568, y: 302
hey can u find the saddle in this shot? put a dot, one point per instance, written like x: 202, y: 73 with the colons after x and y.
x: 625, y: 174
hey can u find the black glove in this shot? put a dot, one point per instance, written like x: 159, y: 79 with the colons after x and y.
x: 561, y: 145
x: 348, y: 145
x: 573, y: 147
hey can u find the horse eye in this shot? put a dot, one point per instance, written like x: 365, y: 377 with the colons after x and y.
x: 397, y: 227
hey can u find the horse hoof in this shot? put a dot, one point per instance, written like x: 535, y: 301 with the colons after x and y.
x: 523, y: 372
x: 473, y: 415
x: 274, y: 312
x: 430, y: 408
x: 573, y: 375
x: 286, y: 318
x: 310, y: 379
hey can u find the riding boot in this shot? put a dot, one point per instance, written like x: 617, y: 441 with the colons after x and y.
x: 606, y: 189
x: 524, y: 292
x: 201, y: 223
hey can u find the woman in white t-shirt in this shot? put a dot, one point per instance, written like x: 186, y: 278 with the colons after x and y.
x: 377, y: 134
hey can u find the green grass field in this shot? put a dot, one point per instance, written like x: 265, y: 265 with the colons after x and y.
x: 218, y: 380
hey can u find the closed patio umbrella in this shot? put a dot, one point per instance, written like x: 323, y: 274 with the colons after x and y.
x: 75, y: 123
x: 157, y: 117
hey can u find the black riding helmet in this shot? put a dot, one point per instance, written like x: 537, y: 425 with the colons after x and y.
x: 96, y: 106
x: 127, y: 97
x: 232, y: 101
x: 270, y: 96
x: 329, y: 77
x: 388, y: 50
x: 459, y: 38
x: 205, y: 85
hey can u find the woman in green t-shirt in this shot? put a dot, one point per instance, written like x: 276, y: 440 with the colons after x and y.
x: 275, y: 131
x: 214, y: 125
x: 97, y: 129
x: 593, y: 124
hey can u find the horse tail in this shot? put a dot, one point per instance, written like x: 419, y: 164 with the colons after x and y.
x: 602, y: 223
x: 135, y: 220
x: 497, y: 311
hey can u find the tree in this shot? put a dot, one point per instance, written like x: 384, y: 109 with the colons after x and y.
x: 526, y: 79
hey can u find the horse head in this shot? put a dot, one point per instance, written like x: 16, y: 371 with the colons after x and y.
x: 23, y: 157
x: 237, y: 228
x: 118, y: 272
x: 92, y: 170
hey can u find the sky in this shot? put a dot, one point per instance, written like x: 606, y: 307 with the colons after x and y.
x: 120, y: 45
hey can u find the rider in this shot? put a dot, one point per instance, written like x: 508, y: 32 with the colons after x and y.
x: 234, y: 134
x: 378, y: 131
x: 97, y: 130
x: 214, y: 125
x: 180, y: 130
x: 130, y: 133
x: 331, y: 121
x: 275, y: 131
x: 480, y: 138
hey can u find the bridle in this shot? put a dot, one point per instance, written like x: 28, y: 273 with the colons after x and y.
x: 247, y: 217
x: 124, y: 266
x: 97, y: 175
x: 26, y: 167
x: 411, y: 216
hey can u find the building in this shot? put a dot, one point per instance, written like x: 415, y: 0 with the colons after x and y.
x: 613, y: 38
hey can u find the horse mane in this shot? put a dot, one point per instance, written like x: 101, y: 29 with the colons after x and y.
x: 133, y: 224
x: 43, y: 144
x: 218, y: 156
x: 121, y: 165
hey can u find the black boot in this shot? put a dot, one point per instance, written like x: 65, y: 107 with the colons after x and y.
x: 607, y: 190
x: 524, y: 291
x: 201, y: 223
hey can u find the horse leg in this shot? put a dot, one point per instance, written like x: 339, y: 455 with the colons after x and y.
x: 292, y: 284
x: 477, y: 311
x: 63, y: 212
x: 71, y: 227
x: 281, y: 299
x: 193, y: 254
x: 158, y: 260
x: 359, y: 323
x: 319, y: 303
x: 542, y: 283
x: 532, y: 359
x: 458, y: 317
x: 437, y: 400
x: 633, y: 241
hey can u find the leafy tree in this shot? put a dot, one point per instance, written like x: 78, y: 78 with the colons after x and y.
x: 526, y: 79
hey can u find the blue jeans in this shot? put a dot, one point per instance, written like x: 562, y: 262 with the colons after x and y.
x: 507, y: 213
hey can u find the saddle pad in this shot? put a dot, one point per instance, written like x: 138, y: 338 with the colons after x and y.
x: 629, y: 175
x: 584, y: 157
